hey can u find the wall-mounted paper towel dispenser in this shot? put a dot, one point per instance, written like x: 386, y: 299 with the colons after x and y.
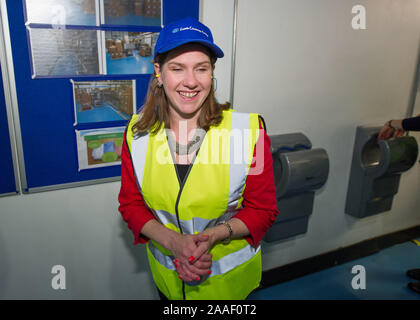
x: 375, y: 171
x: 299, y: 170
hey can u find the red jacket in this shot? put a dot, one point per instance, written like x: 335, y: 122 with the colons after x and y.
x: 259, y: 205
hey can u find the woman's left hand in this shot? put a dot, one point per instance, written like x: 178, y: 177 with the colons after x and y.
x: 200, y: 267
x: 204, y: 247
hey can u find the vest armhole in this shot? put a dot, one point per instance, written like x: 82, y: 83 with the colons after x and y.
x: 261, y: 119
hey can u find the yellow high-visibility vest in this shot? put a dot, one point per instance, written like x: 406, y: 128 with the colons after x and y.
x: 210, y: 193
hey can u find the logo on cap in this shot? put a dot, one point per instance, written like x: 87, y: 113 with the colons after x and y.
x: 175, y: 30
x: 190, y: 28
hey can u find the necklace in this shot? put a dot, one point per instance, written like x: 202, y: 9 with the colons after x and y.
x: 182, y: 149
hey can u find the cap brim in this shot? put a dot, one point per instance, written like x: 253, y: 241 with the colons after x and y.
x: 216, y: 51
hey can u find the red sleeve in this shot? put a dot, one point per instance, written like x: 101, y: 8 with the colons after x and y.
x: 132, y: 207
x: 259, y: 205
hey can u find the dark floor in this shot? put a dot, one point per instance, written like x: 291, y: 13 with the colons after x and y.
x: 385, y: 278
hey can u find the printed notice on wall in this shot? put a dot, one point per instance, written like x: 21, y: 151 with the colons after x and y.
x: 99, y: 147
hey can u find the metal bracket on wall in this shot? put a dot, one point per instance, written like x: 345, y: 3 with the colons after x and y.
x: 234, y: 39
x: 10, y: 96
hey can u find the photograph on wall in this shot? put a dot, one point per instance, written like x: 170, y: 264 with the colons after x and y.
x: 62, y: 12
x: 132, y: 12
x: 64, y: 52
x: 102, y: 101
x: 99, y: 147
x: 129, y: 52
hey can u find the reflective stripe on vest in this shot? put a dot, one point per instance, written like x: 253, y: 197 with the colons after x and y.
x: 218, y: 267
x: 238, y: 172
x: 195, y: 223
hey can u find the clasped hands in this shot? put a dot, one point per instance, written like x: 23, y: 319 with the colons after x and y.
x: 192, y: 257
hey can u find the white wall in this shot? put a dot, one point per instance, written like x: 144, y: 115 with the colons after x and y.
x: 218, y: 16
x: 305, y: 69
x: 317, y: 76
x: 78, y: 228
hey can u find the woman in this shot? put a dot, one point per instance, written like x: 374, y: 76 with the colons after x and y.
x: 184, y: 189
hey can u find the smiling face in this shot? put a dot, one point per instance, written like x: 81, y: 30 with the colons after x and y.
x: 186, y: 76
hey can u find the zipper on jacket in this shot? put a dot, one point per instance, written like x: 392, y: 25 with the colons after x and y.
x: 181, y: 186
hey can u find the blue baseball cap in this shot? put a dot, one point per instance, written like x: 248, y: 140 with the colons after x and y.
x: 184, y: 31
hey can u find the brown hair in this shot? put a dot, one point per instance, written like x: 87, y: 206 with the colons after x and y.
x: 155, y: 110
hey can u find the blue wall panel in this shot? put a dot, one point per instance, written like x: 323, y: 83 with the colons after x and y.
x: 46, y: 108
x: 7, y: 179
